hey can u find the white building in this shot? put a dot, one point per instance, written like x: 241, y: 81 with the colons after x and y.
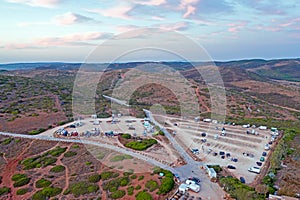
x: 183, y: 188
x: 212, y: 173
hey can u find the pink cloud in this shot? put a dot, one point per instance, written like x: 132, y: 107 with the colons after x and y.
x: 189, y: 6
x: 120, y: 11
x: 179, y: 26
x: 67, y: 40
x: 38, y: 3
x: 235, y: 27
x: 71, y: 18
x: 150, y: 3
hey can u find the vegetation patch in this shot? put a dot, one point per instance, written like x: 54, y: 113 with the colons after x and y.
x: 7, y: 141
x: 57, y: 151
x: 143, y: 196
x: 42, y: 183
x: 151, y: 185
x: 70, y: 154
x: 94, y: 178
x: 130, y: 190
x: 4, y: 190
x: 22, y: 191
x: 239, y: 190
x: 118, y: 158
x: 141, y: 145
x: 117, y: 194
x: 82, y: 188
x: 46, y: 193
x: 108, y: 175
x: 57, y: 169
x: 113, y: 185
x: 20, y: 180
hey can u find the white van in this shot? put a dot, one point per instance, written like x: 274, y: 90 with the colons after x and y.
x: 254, y: 170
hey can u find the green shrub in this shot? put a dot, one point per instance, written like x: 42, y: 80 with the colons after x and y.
x: 46, y: 193
x: 143, y: 196
x: 94, y: 178
x: 75, y: 146
x: 7, y: 141
x: 239, y: 190
x: 70, y: 154
x: 17, y: 177
x: 126, y: 136
x: 57, y: 169
x: 167, y: 184
x: 138, y: 187
x: 141, y: 145
x: 88, y: 163
x: 4, y: 190
x: 151, y: 185
x: 133, y: 176
x: 141, y: 178
x: 108, y: 175
x: 81, y: 188
x: 120, y: 158
x: 130, y: 190
x: 20, y: 180
x: 57, y: 151
x: 117, y: 194
x: 22, y: 191
x: 42, y: 183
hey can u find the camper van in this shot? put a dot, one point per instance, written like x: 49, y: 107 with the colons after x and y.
x: 254, y: 170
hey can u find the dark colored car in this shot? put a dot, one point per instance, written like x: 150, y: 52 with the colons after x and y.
x: 234, y: 159
x: 72, y: 126
x: 242, y: 179
x: 227, y: 154
x: 222, y: 153
x: 259, y: 163
x: 196, y: 180
x: 203, y: 134
x: 215, y: 154
x: 264, y: 153
x: 231, y: 167
x: 223, y: 157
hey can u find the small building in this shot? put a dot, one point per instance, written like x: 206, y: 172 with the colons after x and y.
x: 94, y: 116
x: 183, y: 188
x: 207, y: 120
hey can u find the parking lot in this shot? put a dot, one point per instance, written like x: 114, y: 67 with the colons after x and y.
x: 235, y: 147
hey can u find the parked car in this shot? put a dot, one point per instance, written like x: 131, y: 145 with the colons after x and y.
x: 196, y: 180
x: 231, y: 167
x: 262, y: 159
x: 264, y: 153
x: 234, y: 159
x: 242, y: 179
x: 215, y: 154
x: 223, y: 157
x: 267, y: 146
x: 259, y: 163
x: 203, y: 134
x: 222, y: 153
x: 227, y: 154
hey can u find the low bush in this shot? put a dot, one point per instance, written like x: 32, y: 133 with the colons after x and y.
x: 130, y: 190
x: 141, y: 145
x: 143, y: 196
x: 151, y: 185
x: 70, y: 154
x: 42, y: 183
x: 46, y: 193
x: 141, y: 178
x: 94, y: 178
x: 108, y: 175
x: 167, y: 184
x: 126, y: 136
x: 239, y: 190
x: 20, y: 180
x: 57, y: 151
x: 117, y: 194
x: 22, y: 191
x: 57, y: 169
x: 4, y: 190
x: 81, y: 188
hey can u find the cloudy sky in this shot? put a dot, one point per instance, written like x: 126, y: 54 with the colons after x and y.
x: 68, y: 30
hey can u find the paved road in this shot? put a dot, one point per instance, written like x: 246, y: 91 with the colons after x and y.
x: 100, y: 144
x: 123, y: 103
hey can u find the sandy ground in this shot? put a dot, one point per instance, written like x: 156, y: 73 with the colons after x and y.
x: 236, y: 141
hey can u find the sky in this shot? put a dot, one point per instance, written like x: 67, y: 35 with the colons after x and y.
x: 69, y: 30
